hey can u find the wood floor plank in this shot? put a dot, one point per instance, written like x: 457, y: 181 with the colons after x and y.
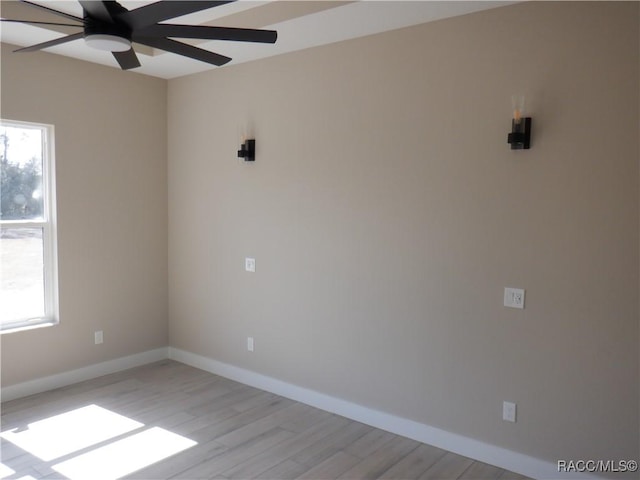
x: 414, y: 464
x: 285, y: 470
x: 257, y: 401
x: 133, y: 400
x: 261, y: 405
x: 264, y: 424
x: 331, y: 444
x: 179, y: 463
x: 449, y: 466
x: 481, y: 471
x: 20, y: 463
x: 278, y: 453
x: 239, y: 420
x: 370, y: 443
x: 172, y: 419
x: 305, y: 420
x: 236, y: 456
x: 8, y: 450
x: 204, y: 422
x: 217, y: 394
x: 29, y: 473
x: 151, y: 409
x: 507, y: 475
x: 332, y: 467
x: 44, y: 470
x: 374, y: 465
x: 226, y: 400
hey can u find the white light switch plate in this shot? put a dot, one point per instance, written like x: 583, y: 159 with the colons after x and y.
x: 250, y: 264
x: 514, y: 297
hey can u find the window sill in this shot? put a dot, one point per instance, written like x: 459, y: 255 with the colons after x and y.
x: 24, y: 327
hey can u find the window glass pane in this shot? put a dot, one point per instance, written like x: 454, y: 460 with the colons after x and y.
x: 21, y: 195
x: 21, y: 274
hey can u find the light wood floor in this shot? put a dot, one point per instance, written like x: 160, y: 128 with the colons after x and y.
x: 241, y: 433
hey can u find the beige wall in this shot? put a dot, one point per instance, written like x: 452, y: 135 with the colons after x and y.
x: 387, y: 213
x: 110, y: 136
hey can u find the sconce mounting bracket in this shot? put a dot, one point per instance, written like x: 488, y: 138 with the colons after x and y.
x: 520, y: 136
x: 248, y: 151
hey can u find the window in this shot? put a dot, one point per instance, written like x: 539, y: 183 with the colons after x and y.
x: 28, y: 276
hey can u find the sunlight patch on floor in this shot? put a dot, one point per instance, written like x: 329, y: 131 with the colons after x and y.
x: 5, y: 471
x: 91, y: 442
x: 125, y: 456
x: 69, y: 432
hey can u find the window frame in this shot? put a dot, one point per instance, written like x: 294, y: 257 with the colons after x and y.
x: 49, y: 232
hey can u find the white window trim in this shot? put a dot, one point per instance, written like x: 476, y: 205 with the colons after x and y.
x: 49, y: 233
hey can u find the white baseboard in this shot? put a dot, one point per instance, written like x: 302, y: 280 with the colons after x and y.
x: 85, y: 373
x: 468, y: 447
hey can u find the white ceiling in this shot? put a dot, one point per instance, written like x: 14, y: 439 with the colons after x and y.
x: 300, y: 25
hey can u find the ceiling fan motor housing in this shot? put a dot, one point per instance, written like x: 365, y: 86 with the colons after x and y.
x: 96, y: 27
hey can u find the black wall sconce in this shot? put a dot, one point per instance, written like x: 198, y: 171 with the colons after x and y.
x: 520, y: 136
x: 248, y: 151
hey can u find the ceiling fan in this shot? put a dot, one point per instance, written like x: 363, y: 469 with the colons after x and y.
x: 107, y: 25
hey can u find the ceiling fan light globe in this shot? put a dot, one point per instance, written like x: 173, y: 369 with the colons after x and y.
x: 108, y: 43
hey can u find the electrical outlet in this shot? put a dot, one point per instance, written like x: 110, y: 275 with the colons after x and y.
x: 250, y: 344
x: 514, y: 297
x: 509, y: 411
x: 250, y: 264
x: 98, y: 337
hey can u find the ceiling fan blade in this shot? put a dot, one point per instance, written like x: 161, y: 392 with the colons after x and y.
x: 159, y: 11
x: 96, y: 10
x: 51, y: 43
x: 183, y: 49
x: 210, y: 33
x: 127, y: 60
x: 30, y: 22
x: 51, y: 10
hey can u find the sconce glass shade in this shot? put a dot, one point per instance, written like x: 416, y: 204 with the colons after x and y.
x: 517, y: 104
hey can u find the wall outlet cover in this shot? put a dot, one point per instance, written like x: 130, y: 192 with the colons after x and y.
x: 509, y: 411
x: 250, y: 264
